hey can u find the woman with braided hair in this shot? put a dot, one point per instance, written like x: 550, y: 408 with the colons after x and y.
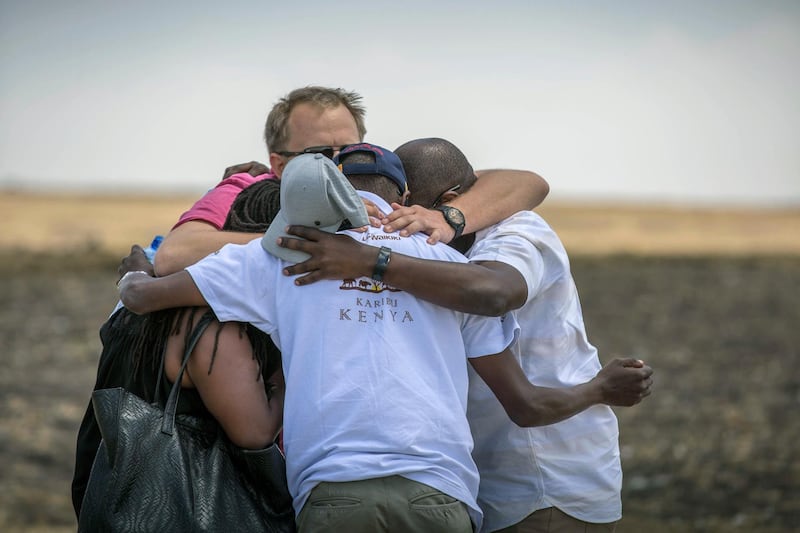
x: 234, y: 373
x: 247, y: 409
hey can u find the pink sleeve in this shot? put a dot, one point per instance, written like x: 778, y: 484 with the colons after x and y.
x: 213, y: 207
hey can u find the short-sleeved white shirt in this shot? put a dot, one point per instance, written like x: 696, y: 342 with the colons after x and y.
x: 376, y: 380
x: 573, y: 465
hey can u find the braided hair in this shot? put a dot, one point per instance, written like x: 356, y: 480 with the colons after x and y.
x: 251, y: 212
x: 255, y: 207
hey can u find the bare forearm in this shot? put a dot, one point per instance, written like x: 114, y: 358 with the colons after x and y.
x: 529, y: 405
x: 144, y: 294
x: 550, y: 405
x: 461, y: 286
x: 510, y: 191
x: 490, y: 288
x: 624, y: 381
x: 191, y: 242
x: 464, y: 287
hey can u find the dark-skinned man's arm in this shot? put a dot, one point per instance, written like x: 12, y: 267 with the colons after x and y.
x: 488, y: 288
x: 622, y: 382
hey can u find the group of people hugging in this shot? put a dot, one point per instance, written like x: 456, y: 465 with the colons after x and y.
x: 406, y: 328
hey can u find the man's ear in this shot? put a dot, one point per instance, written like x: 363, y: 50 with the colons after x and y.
x: 449, y: 196
x: 404, y: 199
x: 277, y: 163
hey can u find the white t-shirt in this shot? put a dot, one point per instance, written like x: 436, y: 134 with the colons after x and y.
x: 376, y: 380
x: 573, y: 465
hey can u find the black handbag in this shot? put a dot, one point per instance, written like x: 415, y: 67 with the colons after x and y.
x: 157, y: 471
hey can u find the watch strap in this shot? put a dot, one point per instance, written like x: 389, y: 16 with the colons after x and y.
x: 381, y: 263
x: 446, y: 212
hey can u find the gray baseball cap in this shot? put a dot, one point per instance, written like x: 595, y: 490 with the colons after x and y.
x: 313, y: 193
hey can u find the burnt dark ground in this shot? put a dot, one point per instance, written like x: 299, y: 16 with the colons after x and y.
x: 714, y: 449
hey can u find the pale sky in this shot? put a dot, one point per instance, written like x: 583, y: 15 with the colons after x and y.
x: 692, y: 102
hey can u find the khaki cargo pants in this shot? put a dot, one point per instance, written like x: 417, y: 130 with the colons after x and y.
x: 382, y: 504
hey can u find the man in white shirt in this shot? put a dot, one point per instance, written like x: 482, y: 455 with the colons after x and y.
x: 563, y: 477
x: 376, y: 380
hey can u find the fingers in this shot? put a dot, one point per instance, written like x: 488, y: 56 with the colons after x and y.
x: 130, y: 262
x: 397, y: 211
x: 306, y: 267
x: 648, y: 389
x: 401, y: 218
x: 308, y: 279
x: 630, y: 379
x: 398, y: 223
x: 373, y: 211
x: 298, y: 268
x: 433, y: 239
x: 409, y: 225
x: 294, y: 244
x: 644, y: 370
x: 417, y: 219
x: 331, y: 256
x: 645, y: 389
x: 258, y: 169
x: 630, y: 362
x: 236, y: 169
x: 305, y: 232
x: 254, y: 168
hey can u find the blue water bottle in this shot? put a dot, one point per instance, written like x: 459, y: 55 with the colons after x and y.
x: 150, y: 251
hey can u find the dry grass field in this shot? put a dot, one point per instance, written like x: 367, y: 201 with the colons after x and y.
x: 113, y: 223
x: 708, y: 297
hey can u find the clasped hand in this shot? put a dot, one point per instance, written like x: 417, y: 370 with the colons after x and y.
x: 625, y: 381
x: 135, y: 260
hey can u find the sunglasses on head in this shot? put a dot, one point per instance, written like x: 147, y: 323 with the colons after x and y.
x: 327, y: 151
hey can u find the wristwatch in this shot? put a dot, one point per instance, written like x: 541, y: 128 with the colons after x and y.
x: 454, y: 217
